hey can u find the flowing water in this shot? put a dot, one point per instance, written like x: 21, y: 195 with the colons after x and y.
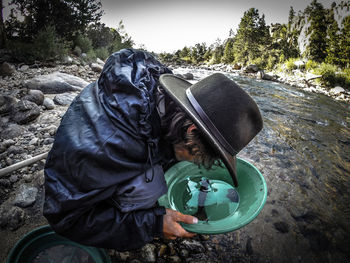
x: 303, y: 152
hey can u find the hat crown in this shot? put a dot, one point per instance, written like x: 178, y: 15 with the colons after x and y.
x: 230, y: 109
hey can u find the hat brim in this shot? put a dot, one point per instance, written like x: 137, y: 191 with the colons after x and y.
x: 176, y: 88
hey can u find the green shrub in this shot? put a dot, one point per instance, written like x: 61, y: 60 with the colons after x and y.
x: 345, y: 75
x: 102, y: 53
x: 311, y: 65
x: 77, y: 51
x: 48, y: 45
x: 290, y: 64
x: 271, y: 62
x: 259, y: 61
x: 329, y: 75
x: 83, y: 42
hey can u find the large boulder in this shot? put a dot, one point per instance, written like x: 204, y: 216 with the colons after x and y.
x: 56, y: 82
x: 7, y: 69
x: 12, y: 131
x: 25, y: 111
x: 6, y: 103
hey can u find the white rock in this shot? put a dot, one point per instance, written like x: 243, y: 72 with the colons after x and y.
x: 49, y: 104
x: 337, y: 90
x: 100, y: 61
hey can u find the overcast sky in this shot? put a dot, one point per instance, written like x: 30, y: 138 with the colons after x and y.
x: 168, y: 25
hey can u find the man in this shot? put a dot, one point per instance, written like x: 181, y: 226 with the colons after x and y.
x: 105, y: 171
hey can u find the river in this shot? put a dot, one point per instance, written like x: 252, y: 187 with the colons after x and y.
x: 303, y: 152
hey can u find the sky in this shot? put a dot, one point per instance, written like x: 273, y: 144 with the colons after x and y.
x: 169, y: 25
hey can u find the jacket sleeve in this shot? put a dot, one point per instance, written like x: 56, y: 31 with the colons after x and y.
x: 105, y: 226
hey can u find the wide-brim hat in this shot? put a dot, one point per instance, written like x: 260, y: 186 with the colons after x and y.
x: 225, y: 114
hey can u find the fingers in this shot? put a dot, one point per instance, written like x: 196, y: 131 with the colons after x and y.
x: 187, y: 219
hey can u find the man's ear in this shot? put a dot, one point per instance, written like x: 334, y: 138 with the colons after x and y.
x: 191, y: 128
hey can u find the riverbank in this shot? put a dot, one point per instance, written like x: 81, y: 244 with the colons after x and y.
x: 296, y: 78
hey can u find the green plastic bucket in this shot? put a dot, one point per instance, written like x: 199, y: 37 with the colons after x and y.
x: 44, y: 245
x: 223, y: 208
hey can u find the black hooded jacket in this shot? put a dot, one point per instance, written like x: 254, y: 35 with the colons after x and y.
x: 104, y: 172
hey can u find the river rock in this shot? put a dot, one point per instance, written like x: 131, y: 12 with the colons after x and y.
x: 12, y: 131
x: 14, y: 149
x: 64, y: 99
x: 7, y: 69
x: 23, y: 68
x: 193, y: 246
x: 11, y: 216
x: 26, y: 196
x: 49, y: 104
x: 56, y: 82
x: 173, y: 259
x: 337, y: 90
x: 6, y: 144
x: 237, y: 66
x: 251, y: 69
x: 67, y: 60
x: 6, y: 103
x: 36, y: 96
x: 100, y: 61
x: 262, y: 75
x: 96, y: 67
x: 24, y: 112
x: 188, y: 76
x: 148, y: 253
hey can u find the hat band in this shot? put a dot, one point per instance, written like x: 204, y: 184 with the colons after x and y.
x: 209, y: 123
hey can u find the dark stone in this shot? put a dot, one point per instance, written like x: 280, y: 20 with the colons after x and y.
x: 24, y: 112
x: 193, y: 246
x: 5, y: 183
x: 12, y: 217
x: 317, y: 240
x: 12, y: 131
x: 6, y: 103
x: 281, y: 227
x: 248, y: 246
x: 64, y: 99
x: 188, y: 76
x: 251, y: 69
x: 14, y: 149
x: 7, y: 69
x: 274, y: 212
x: 307, y: 217
x: 36, y: 96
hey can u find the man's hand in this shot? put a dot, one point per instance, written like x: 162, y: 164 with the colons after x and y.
x: 172, y: 229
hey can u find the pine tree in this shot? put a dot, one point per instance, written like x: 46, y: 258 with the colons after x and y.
x: 228, y: 56
x: 252, y: 33
x: 318, y: 32
x: 333, y: 43
x: 344, y: 52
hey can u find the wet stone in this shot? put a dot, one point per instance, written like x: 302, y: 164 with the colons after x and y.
x: 184, y: 253
x: 162, y: 250
x: 173, y: 259
x: 148, y: 253
x: 281, y: 227
x: 26, y: 196
x: 193, y: 246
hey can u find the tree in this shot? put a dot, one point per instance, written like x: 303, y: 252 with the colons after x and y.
x: 291, y: 17
x: 318, y: 32
x: 251, y: 34
x: 333, y: 43
x: 228, y: 56
x: 344, y: 52
x: 67, y: 16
